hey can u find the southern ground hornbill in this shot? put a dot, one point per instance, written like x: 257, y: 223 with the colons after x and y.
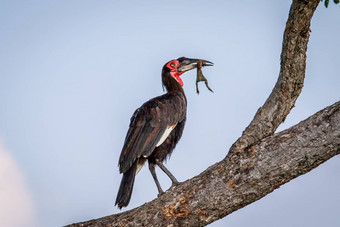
x: 155, y: 129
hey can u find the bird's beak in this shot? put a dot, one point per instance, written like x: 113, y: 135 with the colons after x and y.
x: 187, y: 64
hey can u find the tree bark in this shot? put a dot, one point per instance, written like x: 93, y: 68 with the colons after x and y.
x: 258, y: 162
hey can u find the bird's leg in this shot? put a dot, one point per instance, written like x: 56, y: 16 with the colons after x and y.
x: 165, y: 170
x: 153, y: 173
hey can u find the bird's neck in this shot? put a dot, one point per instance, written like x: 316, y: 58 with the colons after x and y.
x: 171, y: 84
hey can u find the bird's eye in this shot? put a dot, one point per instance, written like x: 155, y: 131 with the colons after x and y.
x: 173, y: 65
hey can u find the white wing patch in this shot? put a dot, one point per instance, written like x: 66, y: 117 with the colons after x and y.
x: 165, y: 134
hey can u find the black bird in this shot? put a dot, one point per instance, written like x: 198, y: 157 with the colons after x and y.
x: 155, y: 129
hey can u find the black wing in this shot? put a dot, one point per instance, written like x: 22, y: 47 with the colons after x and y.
x: 148, y: 124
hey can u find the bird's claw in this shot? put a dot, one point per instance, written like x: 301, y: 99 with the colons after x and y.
x: 160, y: 194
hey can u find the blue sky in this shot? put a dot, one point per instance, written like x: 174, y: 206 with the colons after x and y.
x: 73, y: 72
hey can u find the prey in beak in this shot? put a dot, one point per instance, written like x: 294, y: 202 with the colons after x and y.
x: 187, y: 64
x: 200, y: 76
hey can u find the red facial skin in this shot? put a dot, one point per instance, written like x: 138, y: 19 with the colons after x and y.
x: 173, y: 65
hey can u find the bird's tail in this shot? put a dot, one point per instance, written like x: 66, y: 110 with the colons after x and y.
x: 126, y: 186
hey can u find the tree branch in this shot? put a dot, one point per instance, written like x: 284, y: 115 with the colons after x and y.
x: 290, y: 82
x: 232, y: 184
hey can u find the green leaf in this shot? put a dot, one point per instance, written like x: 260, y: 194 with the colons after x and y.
x: 326, y: 3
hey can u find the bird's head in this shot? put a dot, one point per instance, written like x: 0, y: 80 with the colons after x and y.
x: 175, y: 68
